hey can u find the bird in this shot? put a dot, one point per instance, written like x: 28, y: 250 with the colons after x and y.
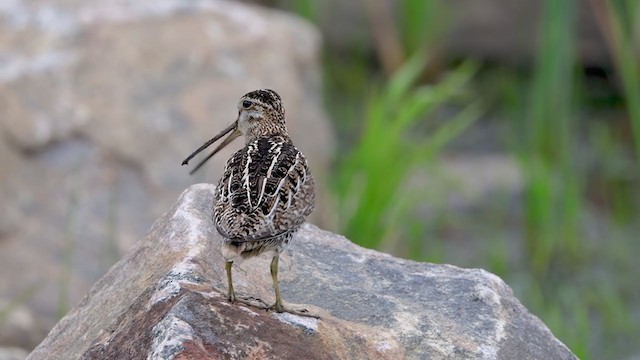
x: 266, y: 191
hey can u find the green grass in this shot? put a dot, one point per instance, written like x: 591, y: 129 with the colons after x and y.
x: 556, y: 198
x: 553, y: 186
x: 370, y: 178
x: 306, y: 8
x: 421, y: 23
x: 622, y: 20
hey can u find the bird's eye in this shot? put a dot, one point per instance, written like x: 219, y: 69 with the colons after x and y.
x: 246, y: 104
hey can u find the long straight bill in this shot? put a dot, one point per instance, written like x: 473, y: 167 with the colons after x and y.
x: 208, y: 143
x: 224, y: 143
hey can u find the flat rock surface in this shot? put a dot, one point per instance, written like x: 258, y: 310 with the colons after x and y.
x: 164, y: 300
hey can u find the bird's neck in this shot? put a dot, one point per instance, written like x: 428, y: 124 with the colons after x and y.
x: 262, y: 132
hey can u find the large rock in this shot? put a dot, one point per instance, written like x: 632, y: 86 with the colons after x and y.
x: 164, y: 301
x: 99, y: 103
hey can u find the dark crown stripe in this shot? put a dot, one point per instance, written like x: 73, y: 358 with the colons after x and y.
x: 266, y: 96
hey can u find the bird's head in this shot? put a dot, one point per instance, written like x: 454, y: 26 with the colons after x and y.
x: 260, y: 113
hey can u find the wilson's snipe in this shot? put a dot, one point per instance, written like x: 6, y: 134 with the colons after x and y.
x: 266, y: 191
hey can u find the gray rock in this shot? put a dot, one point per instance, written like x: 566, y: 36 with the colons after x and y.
x: 99, y: 103
x: 12, y: 353
x: 164, y: 301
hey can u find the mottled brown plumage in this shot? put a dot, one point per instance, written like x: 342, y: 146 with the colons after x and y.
x: 266, y: 191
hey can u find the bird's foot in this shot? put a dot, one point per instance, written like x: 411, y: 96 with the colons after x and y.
x: 247, y: 300
x: 251, y: 301
x: 299, y: 312
x: 261, y: 304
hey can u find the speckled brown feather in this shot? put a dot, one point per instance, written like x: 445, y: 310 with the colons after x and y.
x: 266, y: 191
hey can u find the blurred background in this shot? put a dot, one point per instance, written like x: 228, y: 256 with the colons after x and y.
x: 496, y: 134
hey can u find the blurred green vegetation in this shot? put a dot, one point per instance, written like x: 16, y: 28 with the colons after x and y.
x: 369, y: 178
x: 569, y: 249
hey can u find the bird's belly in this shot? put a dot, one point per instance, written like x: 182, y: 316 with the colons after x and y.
x: 239, y: 249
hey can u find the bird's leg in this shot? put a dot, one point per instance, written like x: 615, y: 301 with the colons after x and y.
x: 278, y: 306
x: 274, y: 276
x: 231, y: 295
x: 256, y: 302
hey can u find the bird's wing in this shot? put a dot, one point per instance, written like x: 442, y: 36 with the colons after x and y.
x: 266, y: 190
